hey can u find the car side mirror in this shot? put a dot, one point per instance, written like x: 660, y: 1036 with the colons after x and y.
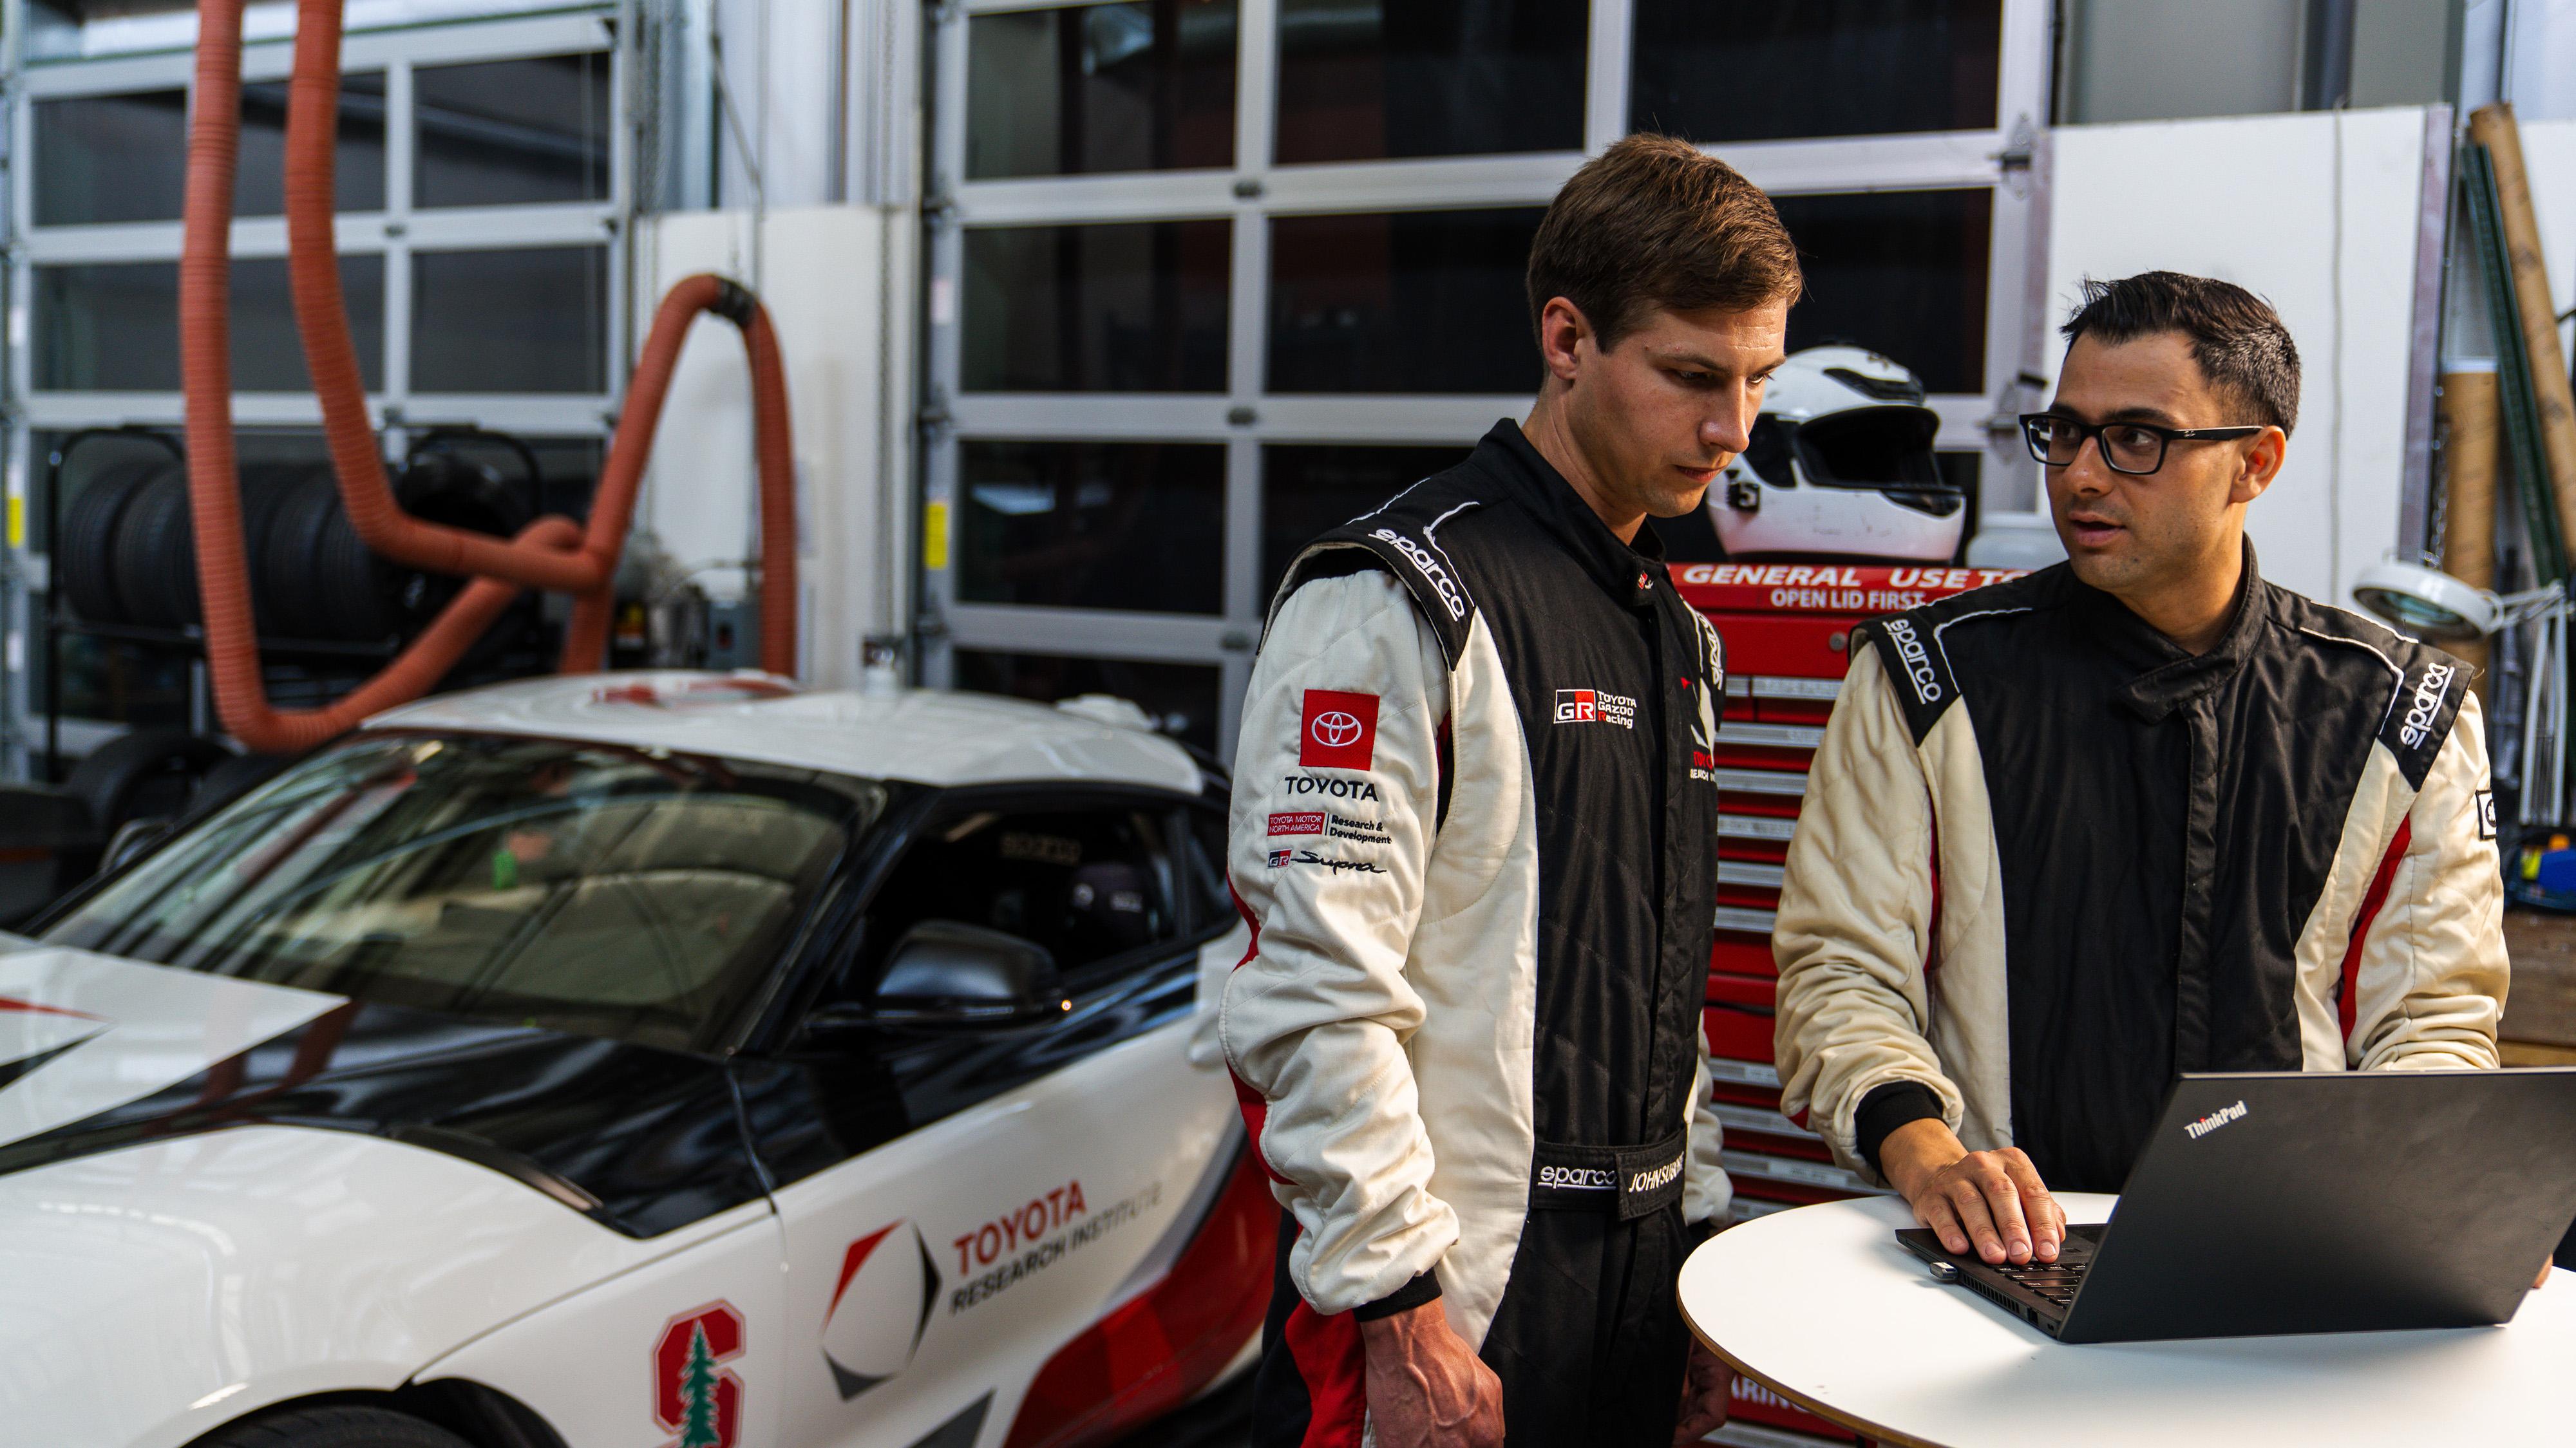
x: 133, y: 840
x: 946, y: 973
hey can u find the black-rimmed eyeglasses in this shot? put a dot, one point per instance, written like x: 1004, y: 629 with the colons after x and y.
x: 2127, y: 447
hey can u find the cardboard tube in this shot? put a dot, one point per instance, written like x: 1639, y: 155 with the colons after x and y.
x: 2493, y: 127
x: 2468, y: 494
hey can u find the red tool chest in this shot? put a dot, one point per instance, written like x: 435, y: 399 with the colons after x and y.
x: 1787, y: 628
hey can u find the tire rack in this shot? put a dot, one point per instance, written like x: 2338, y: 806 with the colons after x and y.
x: 55, y: 619
x: 1787, y: 629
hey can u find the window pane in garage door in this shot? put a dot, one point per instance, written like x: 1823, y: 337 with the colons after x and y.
x: 118, y: 158
x: 1815, y: 68
x: 1181, y: 697
x: 358, y: 165
x: 1124, y: 307
x: 1899, y: 272
x: 1305, y: 490
x: 510, y: 321
x: 509, y: 132
x: 1364, y: 80
x: 114, y: 326
x: 1410, y: 301
x: 1127, y: 525
x: 1090, y: 88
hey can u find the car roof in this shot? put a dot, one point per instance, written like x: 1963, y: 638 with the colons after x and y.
x: 928, y: 736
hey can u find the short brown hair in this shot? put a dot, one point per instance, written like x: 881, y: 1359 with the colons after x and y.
x: 1656, y: 222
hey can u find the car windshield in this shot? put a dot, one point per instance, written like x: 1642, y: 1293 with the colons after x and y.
x: 594, y: 888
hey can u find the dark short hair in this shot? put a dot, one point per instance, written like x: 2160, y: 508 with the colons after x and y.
x: 2235, y: 336
x: 1654, y: 221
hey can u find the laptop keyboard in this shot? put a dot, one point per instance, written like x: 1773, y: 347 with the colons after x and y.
x: 2052, y: 1281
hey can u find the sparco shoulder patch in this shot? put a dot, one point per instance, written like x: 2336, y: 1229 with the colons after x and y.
x: 1909, y: 650
x: 2419, y: 717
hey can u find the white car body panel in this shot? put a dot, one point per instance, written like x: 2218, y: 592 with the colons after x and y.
x: 151, y: 1292
x: 155, y: 1292
x: 100, y: 1031
x: 929, y: 736
x: 1135, y: 1126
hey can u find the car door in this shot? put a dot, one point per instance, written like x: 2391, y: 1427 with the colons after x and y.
x: 960, y: 1200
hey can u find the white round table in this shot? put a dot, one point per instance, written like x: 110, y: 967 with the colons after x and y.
x: 1821, y: 1305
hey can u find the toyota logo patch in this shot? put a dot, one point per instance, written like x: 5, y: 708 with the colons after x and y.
x: 1338, y: 730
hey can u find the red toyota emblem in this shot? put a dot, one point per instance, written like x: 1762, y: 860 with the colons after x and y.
x: 1339, y: 730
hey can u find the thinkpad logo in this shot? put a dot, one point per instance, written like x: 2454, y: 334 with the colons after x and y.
x: 1918, y: 663
x: 2214, y: 1120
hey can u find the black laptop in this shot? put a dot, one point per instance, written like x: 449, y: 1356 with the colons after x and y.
x: 2312, y: 1202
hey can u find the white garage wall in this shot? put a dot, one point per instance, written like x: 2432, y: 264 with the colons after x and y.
x: 2316, y: 212
x: 832, y: 277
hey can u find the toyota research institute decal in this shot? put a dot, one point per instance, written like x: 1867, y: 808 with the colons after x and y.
x: 1338, y: 730
x: 694, y: 1395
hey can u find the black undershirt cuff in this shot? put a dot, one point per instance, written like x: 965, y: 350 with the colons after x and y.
x: 1886, y: 1108
x: 1422, y: 1289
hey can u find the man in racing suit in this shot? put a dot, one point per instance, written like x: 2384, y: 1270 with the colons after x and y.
x: 2138, y: 814
x: 1473, y: 829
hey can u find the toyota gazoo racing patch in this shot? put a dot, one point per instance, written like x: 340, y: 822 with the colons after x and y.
x: 1337, y: 730
x: 1595, y: 706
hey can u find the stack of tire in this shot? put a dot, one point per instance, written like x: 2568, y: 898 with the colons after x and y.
x: 127, y: 553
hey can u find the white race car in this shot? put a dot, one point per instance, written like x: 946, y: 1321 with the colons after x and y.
x: 648, y: 1061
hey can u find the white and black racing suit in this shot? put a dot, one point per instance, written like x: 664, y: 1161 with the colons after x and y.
x: 2047, y: 860
x: 1474, y: 830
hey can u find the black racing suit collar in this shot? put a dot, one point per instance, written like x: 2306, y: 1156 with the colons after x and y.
x: 2168, y: 677
x: 1628, y: 572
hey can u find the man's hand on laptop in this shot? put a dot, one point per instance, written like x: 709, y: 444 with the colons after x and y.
x: 1992, y: 1202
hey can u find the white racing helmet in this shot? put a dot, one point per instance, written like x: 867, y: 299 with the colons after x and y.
x: 1840, y: 465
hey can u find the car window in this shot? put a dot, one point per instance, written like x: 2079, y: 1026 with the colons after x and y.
x: 590, y: 888
x: 1091, y: 885
x: 1207, y: 868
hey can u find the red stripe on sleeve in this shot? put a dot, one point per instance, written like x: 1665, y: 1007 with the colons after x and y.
x: 2349, y: 1002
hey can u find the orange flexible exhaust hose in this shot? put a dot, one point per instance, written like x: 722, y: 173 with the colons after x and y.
x: 552, y: 552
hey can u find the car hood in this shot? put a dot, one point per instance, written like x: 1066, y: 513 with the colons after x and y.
x: 102, y: 1054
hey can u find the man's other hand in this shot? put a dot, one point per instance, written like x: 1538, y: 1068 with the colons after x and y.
x: 1992, y: 1201
x: 1427, y: 1388
x: 1706, y: 1385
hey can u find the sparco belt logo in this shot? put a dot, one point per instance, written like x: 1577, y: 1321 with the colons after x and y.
x: 1918, y: 664
x: 1579, y: 1178
x: 1430, y: 569
x: 2214, y: 1120
x: 2428, y: 700
x: 1654, y: 1178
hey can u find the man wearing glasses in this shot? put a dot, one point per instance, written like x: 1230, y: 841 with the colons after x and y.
x: 2138, y: 814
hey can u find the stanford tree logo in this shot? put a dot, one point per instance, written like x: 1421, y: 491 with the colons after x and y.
x: 693, y: 1396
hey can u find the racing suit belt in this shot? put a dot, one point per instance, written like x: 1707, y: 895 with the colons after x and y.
x: 1626, y: 1181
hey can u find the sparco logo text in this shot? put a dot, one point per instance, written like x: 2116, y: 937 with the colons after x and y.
x: 2428, y: 701
x: 1918, y: 664
x: 1579, y: 1178
x: 1430, y: 569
